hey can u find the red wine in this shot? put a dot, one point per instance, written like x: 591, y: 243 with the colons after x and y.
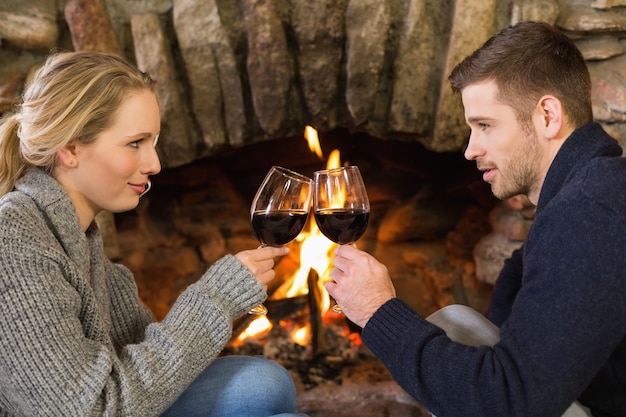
x: 276, y: 228
x: 342, y: 226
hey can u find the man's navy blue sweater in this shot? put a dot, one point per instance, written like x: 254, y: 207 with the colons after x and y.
x: 560, y: 303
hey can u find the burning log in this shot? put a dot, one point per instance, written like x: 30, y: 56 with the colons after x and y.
x: 318, y: 354
x: 318, y: 340
x: 286, y: 308
x: 283, y: 308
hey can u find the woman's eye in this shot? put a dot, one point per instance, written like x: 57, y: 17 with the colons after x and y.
x: 135, y: 143
x: 483, y: 126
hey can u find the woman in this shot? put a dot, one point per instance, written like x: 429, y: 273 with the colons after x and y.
x: 76, y: 340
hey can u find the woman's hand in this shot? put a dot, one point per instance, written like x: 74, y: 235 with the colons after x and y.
x: 260, y: 262
x: 361, y: 284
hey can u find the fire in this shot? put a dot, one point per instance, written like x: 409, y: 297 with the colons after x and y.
x: 316, y: 253
x: 334, y: 160
x: 310, y: 134
x: 301, y: 335
x: 255, y: 330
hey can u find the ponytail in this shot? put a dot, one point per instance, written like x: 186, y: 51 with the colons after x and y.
x: 73, y: 96
x: 11, y: 163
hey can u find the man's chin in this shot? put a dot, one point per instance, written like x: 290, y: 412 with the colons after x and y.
x: 501, y: 194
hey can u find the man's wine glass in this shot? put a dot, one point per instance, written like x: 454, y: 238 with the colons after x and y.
x: 340, y: 205
x: 280, y: 210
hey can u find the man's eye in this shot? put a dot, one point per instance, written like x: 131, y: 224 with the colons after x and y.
x: 483, y: 126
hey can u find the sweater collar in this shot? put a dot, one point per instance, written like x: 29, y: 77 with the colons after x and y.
x: 59, y: 212
x: 587, y: 142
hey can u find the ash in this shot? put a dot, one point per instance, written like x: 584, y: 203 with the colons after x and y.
x: 327, y: 361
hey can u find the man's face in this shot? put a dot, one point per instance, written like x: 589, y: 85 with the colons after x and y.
x: 508, y: 153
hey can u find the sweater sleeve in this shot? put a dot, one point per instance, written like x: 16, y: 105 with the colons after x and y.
x: 58, y: 357
x: 197, y: 327
x: 566, y: 320
x: 75, y: 340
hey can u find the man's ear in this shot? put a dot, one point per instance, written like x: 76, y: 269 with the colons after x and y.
x: 68, y: 155
x: 551, y: 116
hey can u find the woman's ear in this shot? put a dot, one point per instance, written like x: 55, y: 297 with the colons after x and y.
x: 552, y: 116
x: 68, y: 155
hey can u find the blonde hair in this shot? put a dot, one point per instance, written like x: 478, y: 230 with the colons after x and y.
x: 74, y: 96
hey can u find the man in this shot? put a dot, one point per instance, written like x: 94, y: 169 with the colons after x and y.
x: 559, y: 302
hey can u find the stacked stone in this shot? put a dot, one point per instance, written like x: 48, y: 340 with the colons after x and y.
x: 234, y: 73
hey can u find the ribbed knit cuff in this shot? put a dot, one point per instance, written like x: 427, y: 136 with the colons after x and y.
x: 232, y: 286
x: 392, y: 322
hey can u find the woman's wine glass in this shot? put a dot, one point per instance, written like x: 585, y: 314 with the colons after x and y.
x: 340, y: 205
x: 280, y: 210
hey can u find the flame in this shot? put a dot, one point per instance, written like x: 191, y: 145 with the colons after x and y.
x: 334, y: 160
x: 301, y: 335
x: 258, y: 328
x: 310, y: 134
x: 316, y: 253
x: 316, y: 250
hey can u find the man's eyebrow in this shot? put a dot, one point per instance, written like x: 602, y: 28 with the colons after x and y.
x: 476, y: 119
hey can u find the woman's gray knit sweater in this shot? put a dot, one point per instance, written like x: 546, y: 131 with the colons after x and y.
x: 75, y: 340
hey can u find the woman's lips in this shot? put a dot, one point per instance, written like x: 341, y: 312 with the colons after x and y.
x: 138, y: 188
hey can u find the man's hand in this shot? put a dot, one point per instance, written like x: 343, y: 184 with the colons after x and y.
x: 361, y: 284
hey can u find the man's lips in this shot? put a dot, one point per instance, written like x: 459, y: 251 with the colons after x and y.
x: 488, y: 173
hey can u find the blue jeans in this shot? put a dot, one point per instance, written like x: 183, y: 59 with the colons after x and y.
x: 238, y: 386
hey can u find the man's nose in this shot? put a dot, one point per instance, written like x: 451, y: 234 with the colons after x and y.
x: 473, y: 150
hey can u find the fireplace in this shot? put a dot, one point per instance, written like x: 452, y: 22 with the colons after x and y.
x: 428, y: 211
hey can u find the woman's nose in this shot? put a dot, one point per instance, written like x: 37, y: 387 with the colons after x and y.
x: 152, y: 164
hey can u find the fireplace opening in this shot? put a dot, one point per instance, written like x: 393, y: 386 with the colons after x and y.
x: 428, y: 211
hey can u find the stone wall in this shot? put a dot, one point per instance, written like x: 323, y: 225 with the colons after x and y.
x: 233, y: 73
x: 242, y: 78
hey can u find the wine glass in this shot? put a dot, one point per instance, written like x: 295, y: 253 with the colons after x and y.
x: 340, y: 205
x: 280, y: 210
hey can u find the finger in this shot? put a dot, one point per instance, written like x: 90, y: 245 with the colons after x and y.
x: 261, y: 267
x: 340, y: 264
x: 260, y: 254
x: 265, y: 277
x: 255, y: 264
x: 271, y: 252
x: 347, y: 251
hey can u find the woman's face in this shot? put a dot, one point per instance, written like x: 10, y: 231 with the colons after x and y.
x: 112, y: 172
